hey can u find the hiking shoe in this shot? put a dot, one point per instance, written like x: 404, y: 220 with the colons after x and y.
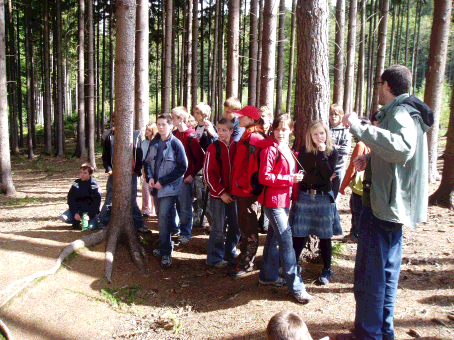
x: 156, y: 252
x: 303, y: 297
x: 144, y: 230
x: 278, y: 283
x: 182, y: 240
x: 325, y: 276
x: 166, y: 261
x: 221, y: 264
x: 237, y: 272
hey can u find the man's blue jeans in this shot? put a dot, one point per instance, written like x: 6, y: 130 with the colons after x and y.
x: 106, y: 211
x: 184, y: 208
x: 279, y: 245
x: 220, y: 247
x: 165, y: 208
x: 377, y: 270
x: 67, y: 217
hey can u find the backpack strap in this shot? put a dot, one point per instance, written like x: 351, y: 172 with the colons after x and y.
x: 217, y: 145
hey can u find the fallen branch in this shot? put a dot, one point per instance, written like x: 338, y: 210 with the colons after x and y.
x: 85, y: 241
x: 5, y: 331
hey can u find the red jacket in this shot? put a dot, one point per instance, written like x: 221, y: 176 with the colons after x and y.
x: 194, y: 152
x: 212, y: 169
x: 274, y: 175
x: 240, y: 176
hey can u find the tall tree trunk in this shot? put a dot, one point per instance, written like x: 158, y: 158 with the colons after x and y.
x: 292, y: 59
x: 29, y: 85
x: 233, y: 43
x: 311, y: 97
x: 351, y: 51
x: 444, y: 195
x: 215, y: 66
x: 371, y: 64
x: 32, y: 82
x: 268, y: 53
x: 361, y: 59
x: 202, y: 53
x: 407, y: 36
x: 173, y: 65
x: 188, y: 65
x: 142, y: 86
x: 195, y: 35
x: 221, y: 59
x: 59, y: 94
x: 210, y: 52
x: 381, y: 51
x: 391, y: 47
x: 435, y: 76
x: 165, y: 96
x: 259, y: 52
x: 415, y: 53
x: 243, y: 53
x: 91, y: 87
x: 19, y: 85
x: 112, y: 61
x: 13, y: 76
x: 103, y: 76
x: 81, y: 151
x: 338, y: 86
x: 121, y: 220
x: 6, y: 179
x: 253, y: 36
x: 280, y: 58
x: 47, y: 98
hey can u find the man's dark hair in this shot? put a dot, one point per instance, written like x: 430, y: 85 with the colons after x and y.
x: 398, y: 78
x: 89, y: 167
x: 227, y: 122
x: 167, y: 117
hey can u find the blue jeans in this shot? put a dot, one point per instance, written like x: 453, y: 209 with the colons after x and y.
x: 165, y: 208
x: 218, y: 245
x: 67, y: 217
x: 377, y: 270
x: 184, y: 208
x: 106, y: 211
x: 279, y: 246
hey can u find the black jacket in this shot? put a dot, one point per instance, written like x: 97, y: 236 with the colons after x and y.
x: 84, y: 197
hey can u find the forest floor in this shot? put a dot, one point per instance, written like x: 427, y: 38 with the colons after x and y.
x: 190, y: 300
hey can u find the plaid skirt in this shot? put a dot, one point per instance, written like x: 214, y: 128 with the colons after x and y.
x: 314, y: 215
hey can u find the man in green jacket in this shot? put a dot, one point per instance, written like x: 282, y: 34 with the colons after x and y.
x: 399, y: 195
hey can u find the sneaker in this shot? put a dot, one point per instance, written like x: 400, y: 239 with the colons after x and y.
x: 237, y: 272
x: 156, y: 252
x: 303, y: 297
x: 166, y: 261
x: 144, y: 230
x: 182, y: 240
x: 221, y: 264
x: 278, y: 283
x: 325, y: 276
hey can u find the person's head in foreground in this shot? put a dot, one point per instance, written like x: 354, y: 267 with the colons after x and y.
x: 287, y: 325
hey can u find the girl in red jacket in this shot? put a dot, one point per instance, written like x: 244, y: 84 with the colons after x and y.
x: 277, y: 173
x: 249, y: 118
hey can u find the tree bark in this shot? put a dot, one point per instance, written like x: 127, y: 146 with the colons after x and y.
x: 188, y: 64
x: 351, y: 51
x: 313, y: 85
x: 444, y: 195
x: 81, y: 151
x: 414, y: 55
x: 259, y: 53
x: 292, y: 59
x: 268, y: 53
x: 361, y: 59
x: 60, y: 131
x: 280, y: 58
x: 12, y: 74
x: 435, y: 76
x: 214, y: 66
x: 195, y: 40
x: 29, y: 85
x: 142, y: 86
x: 391, y: 48
x: 253, y: 34
x: 112, y: 61
x: 121, y: 220
x: 165, y: 97
x: 233, y: 43
x: 103, y: 75
x: 19, y: 86
x: 46, y: 79
x: 6, y: 179
x: 91, y: 87
x: 338, y: 86
x: 381, y: 50
x: 407, y: 36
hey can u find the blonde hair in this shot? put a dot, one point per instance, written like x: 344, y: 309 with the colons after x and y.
x: 181, y: 112
x: 287, y: 325
x: 233, y: 103
x: 267, y: 110
x: 337, y: 109
x: 205, y: 110
x: 310, y: 145
x: 153, y: 128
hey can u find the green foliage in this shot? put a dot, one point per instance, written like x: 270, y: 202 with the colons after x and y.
x: 170, y: 322
x: 20, y: 202
x: 2, y: 337
x: 338, y: 249
x: 121, y: 296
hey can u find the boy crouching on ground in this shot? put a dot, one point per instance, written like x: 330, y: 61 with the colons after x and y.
x: 84, y: 197
x: 216, y: 173
x: 165, y: 165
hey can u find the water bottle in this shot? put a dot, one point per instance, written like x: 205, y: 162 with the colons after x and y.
x: 85, y: 220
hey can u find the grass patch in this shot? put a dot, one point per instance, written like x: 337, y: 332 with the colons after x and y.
x: 119, y: 297
x: 338, y: 249
x: 22, y: 201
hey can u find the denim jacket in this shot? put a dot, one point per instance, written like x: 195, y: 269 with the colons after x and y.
x: 173, y: 166
x: 399, y: 163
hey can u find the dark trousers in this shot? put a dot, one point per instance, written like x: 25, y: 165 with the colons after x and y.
x: 249, y: 227
x: 356, y: 204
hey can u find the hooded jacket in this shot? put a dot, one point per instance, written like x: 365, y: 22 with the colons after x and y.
x: 194, y: 152
x: 342, y: 140
x: 275, y: 174
x: 398, y: 162
x: 108, y: 149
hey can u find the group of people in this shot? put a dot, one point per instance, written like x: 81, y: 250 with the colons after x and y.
x: 248, y: 168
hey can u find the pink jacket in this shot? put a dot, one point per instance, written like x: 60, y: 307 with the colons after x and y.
x: 274, y: 175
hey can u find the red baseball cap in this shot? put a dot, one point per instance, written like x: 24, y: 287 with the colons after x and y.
x: 250, y: 111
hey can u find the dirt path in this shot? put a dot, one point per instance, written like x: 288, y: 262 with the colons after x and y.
x: 189, y: 301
